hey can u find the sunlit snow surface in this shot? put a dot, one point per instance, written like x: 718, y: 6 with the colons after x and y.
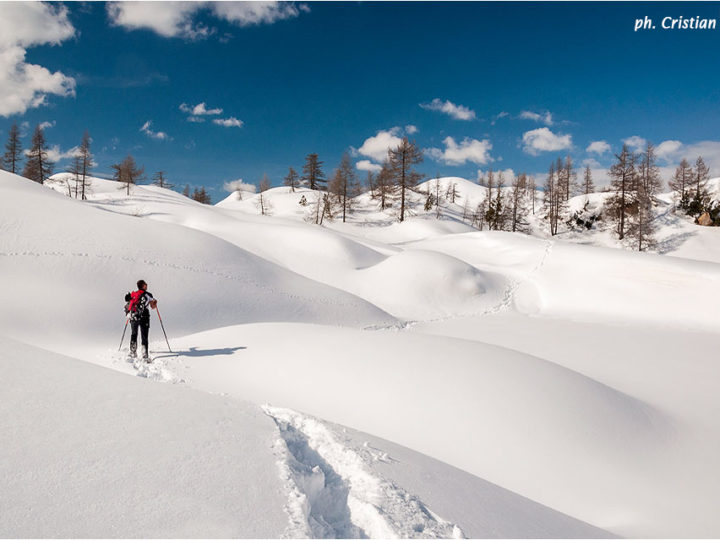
x: 370, y: 378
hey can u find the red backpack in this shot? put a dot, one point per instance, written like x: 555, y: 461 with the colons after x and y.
x: 134, y: 301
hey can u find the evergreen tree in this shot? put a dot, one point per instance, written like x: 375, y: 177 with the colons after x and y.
x: 641, y: 226
x: 649, y: 172
x: 401, y: 159
x: 497, y: 211
x: 554, y: 198
x: 313, y: 175
x: 344, y: 185
x: 85, y: 165
x: 518, y: 215
x: 128, y: 173
x: 262, y: 201
x: 532, y: 191
x: 588, y: 185
x: 160, y: 180
x: 624, y: 184
x: 75, y: 169
x: 292, y: 180
x: 13, y: 151
x: 681, y: 183
x: 37, y: 166
x: 201, y: 196
x: 385, y: 186
x: 698, y: 194
x: 569, y: 178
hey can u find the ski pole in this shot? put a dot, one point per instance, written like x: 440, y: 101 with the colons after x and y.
x: 163, y: 329
x: 123, y: 336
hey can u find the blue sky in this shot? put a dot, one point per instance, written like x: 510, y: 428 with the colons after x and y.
x: 477, y: 85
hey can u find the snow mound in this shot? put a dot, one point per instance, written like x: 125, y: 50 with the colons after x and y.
x: 68, y: 255
x: 91, y: 453
x: 420, y: 284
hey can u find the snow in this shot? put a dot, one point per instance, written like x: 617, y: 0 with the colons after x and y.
x: 369, y: 378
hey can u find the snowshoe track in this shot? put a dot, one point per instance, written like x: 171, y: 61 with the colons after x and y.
x: 333, y: 494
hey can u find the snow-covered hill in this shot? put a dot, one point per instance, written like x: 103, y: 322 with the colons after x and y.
x: 371, y: 378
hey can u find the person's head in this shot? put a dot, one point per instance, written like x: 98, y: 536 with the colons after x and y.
x: 141, y: 285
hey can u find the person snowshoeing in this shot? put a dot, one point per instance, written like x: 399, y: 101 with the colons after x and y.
x: 138, y: 312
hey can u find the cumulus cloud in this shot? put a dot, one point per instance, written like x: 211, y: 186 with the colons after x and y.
x: 176, y: 19
x: 25, y: 86
x: 46, y: 124
x: 598, y: 147
x: 507, y: 174
x: 543, y: 140
x: 459, y: 112
x: 199, y: 110
x: 239, y: 185
x: 367, y: 165
x: 544, y: 118
x: 410, y: 129
x: 471, y: 150
x: 376, y: 147
x: 666, y: 150
x: 592, y: 163
x: 635, y: 143
x: 228, y: 122
x: 54, y: 154
x: 159, y: 135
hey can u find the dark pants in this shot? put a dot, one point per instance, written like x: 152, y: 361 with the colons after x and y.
x: 144, y: 327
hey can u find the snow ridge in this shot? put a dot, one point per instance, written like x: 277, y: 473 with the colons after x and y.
x: 333, y: 494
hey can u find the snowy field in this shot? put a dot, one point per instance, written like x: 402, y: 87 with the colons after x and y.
x: 361, y: 379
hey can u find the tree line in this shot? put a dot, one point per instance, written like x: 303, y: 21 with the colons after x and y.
x: 39, y: 167
x: 396, y: 178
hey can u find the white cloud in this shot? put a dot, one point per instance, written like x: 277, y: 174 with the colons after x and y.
x: 46, y: 125
x: 160, y: 135
x: 169, y: 19
x: 176, y: 19
x: 458, y: 154
x: 239, y: 185
x: 25, y: 86
x: 459, y: 112
x: 54, y: 153
x: 598, y: 147
x: 376, y: 147
x: 199, y: 110
x: 228, y: 122
x: 709, y: 150
x: 508, y: 175
x: 543, y: 140
x: 667, y: 149
x: 248, y: 13
x: 545, y: 118
x: 196, y: 119
x: 498, y: 116
x: 410, y: 129
x: 367, y: 165
x: 592, y: 163
x: 635, y: 143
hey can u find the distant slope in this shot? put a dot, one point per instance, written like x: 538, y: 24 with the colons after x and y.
x: 67, y: 266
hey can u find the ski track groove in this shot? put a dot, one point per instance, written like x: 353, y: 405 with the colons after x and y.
x: 333, y: 494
